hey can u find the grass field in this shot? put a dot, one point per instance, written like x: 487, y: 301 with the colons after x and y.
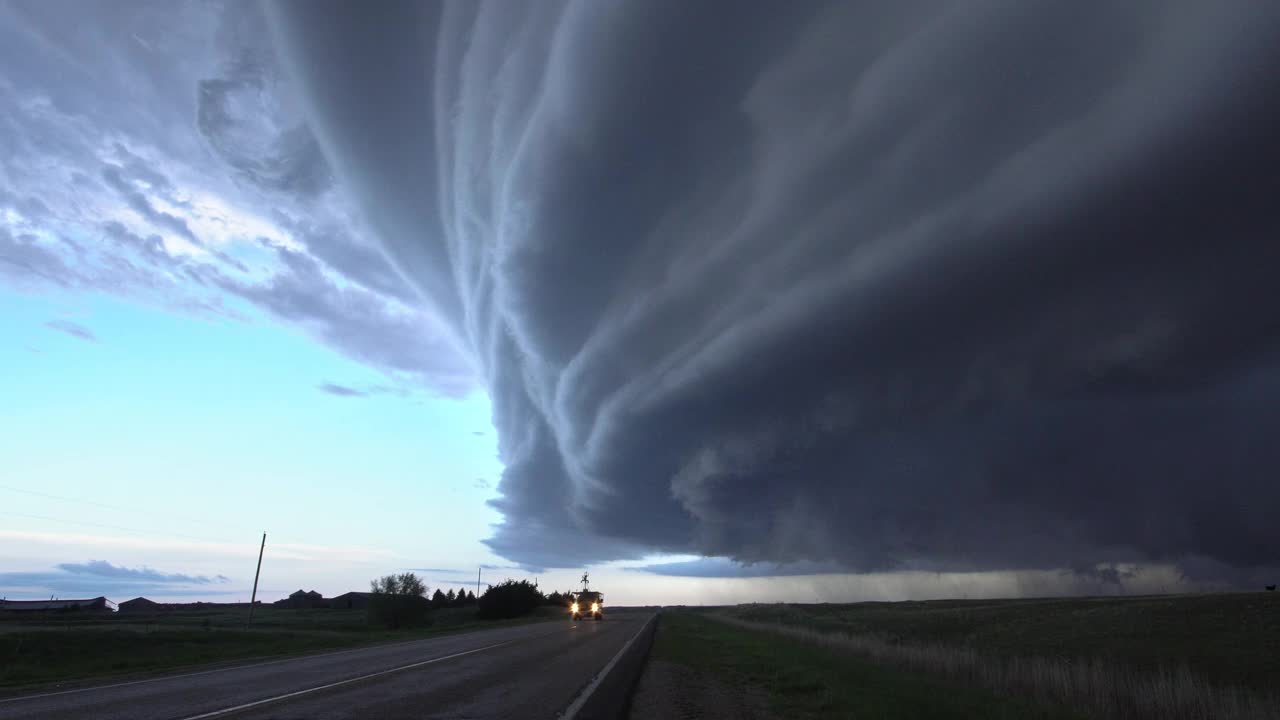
x: 1228, y: 639
x: 1167, y: 656
x: 804, y: 680
x: 59, y: 648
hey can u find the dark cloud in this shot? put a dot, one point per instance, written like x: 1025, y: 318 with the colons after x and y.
x: 115, y: 179
x: 230, y: 113
x: 1108, y: 574
x: 726, y: 568
x: 75, y: 330
x: 26, y: 261
x: 929, y: 286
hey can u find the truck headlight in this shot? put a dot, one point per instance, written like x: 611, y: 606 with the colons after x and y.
x: 573, y: 607
x: 595, y: 607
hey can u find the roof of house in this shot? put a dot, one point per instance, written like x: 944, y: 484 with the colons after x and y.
x: 51, y: 604
x: 140, y: 601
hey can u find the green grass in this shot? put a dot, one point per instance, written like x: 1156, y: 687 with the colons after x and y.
x: 60, y: 648
x: 1226, y: 639
x: 804, y: 680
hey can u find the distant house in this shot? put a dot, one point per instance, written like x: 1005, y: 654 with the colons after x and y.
x: 98, y: 604
x: 139, y: 604
x: 302, y: 599
x: 349, y: 601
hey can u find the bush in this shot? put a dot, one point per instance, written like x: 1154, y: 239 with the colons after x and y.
x: 560, y: 599
x: 399, y: 611
x: 509, y: 599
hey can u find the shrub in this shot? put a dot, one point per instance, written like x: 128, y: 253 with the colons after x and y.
x: 509, y: 599
x: 560, y: 599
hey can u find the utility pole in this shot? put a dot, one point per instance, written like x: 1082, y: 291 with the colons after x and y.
x: 477, y: 583
x: 253, y: 598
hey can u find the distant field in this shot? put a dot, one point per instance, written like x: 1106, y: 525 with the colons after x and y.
x: 1231, y: 639
x: 1093, y: 649
x: 74, y: 646
x: 790, y: 678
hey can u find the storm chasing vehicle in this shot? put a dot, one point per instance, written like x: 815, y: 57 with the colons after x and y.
x: 587, y: 602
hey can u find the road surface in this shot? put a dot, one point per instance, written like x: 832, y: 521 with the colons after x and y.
x: 527, y: 671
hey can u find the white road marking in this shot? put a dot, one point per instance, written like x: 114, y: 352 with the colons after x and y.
x: 573, y: 710
x: 194, y: 674
x: 162, y: 678
x: 348, y: 681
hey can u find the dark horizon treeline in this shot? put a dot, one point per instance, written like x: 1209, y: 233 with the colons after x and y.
x: 451, y: 599
x: 562, y: 599
x: 402, y: 600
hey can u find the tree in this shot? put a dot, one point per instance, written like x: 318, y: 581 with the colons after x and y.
x: 402, y: 584
x: 397, y: 601
x: 509, y: 599
x: 438, y: 600
x: 560, y: 599
x: 449, y: 597
x: 471, y: 598
x: 460, y: 599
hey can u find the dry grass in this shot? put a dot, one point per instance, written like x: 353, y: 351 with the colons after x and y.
x: 1093, y: 686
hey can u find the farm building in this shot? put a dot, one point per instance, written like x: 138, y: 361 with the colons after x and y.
x: 139, y: 604
x: 302, y: 599
x: 98, y: 604
x: 348, y: 601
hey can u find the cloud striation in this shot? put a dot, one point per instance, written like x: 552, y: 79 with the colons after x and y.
x: 911, y: 286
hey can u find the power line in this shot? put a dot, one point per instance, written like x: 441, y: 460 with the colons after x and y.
x: 114, y: 527
x: 146, y: 533
x: 137, y: 531
x: 108, y: 506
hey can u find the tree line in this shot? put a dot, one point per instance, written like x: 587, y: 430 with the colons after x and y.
x: 399, y: 601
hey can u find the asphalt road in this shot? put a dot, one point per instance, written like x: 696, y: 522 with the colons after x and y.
x: 528, y: 671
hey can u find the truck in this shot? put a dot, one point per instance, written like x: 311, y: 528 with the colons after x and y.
x: 587, y: 602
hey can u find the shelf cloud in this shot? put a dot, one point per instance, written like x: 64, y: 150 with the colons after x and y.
x: 923, y: 286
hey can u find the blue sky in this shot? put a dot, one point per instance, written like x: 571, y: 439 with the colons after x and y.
x: 211, y: 429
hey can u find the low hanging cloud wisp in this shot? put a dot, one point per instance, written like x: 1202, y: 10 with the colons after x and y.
x: 98, y: 577
x: 914, y: 286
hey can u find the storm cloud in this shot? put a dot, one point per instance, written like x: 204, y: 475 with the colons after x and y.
x: 915, y: 286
